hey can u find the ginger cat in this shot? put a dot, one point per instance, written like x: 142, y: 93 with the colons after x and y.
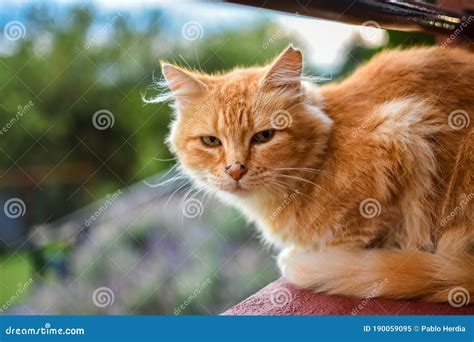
x: 361, y: 182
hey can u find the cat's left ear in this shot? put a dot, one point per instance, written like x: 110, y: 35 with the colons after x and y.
x: 286, y: 70
x: 185, y: 85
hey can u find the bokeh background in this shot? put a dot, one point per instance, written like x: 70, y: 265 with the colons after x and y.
x: 93, y: 219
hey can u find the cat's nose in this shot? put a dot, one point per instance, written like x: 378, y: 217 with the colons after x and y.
x: 236, y: 170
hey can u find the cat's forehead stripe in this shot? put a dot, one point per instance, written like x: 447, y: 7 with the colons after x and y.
x: 234, y: 113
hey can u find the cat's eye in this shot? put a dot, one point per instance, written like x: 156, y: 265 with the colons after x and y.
x: 263, y: 136
x: 210, y: 141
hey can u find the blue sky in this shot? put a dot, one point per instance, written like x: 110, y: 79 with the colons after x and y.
x: 325, y: 41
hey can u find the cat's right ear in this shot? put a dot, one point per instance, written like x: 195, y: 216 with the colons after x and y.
x: 185, y: 86
x: 286, y: 70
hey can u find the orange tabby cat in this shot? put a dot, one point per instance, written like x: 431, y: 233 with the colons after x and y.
x: 361, y: 182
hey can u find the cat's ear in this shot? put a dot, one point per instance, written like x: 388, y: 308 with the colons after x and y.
x: 286, y: 70
x: 184, y: 85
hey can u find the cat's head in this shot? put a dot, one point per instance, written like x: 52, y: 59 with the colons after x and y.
x: 240, y: 131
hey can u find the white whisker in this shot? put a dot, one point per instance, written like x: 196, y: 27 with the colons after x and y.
x: 306, y: 169
x: 277, y: 182
x: 166, y: 160
x: 174, y: 192
x: 296, y: 178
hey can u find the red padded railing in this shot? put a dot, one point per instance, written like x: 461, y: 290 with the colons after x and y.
x: 281, y: 298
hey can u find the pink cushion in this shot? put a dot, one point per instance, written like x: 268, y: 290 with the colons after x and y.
x: 282, y: 298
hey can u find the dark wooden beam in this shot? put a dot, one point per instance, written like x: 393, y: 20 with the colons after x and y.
x: 389, y: 14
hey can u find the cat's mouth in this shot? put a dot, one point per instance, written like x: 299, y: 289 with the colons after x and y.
x: 242, y: 186
x: 238, y: 188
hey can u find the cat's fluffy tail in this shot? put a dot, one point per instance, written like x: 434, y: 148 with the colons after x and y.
x: 388, y: 273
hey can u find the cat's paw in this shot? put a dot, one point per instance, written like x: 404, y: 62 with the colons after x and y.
x: 293, y: 265
x: 284, y: 258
